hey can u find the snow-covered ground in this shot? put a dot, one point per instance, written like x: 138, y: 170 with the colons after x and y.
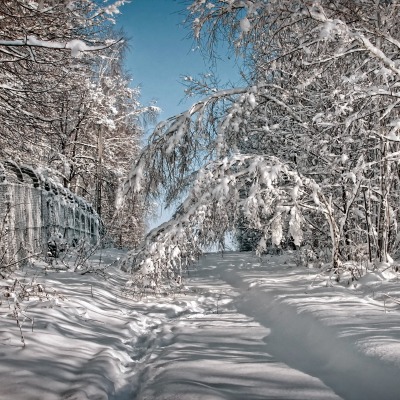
x: 240, y: 328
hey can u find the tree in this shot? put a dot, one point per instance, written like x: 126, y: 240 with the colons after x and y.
x: 40, y: 44
x: 311, y: 141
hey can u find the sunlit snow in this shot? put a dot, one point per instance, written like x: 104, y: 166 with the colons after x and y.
x: 240, y: 327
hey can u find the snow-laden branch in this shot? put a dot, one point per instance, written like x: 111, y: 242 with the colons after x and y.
x: 317, y: 13
x: 324, y: 100
x: 208, y: 212
x: 378, y: 53
x: 184, y: 142
x: 76, y: 46
x: 219, y: 197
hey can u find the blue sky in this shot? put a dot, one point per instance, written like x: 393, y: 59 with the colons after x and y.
x: 160, y: 53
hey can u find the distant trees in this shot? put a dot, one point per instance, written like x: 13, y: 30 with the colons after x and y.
x: 66, y: 104
x: 309, y: 150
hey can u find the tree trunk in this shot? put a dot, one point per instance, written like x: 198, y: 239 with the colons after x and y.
x: 98, y: 177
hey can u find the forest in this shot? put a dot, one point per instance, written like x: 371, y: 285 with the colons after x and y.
x: 305, y: 155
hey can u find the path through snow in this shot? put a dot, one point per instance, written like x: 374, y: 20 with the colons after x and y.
x: 276, y: 336
x: 242, y: 328
x: 223, y: 354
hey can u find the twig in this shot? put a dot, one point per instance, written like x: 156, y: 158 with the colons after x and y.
x: 391, y: 298
x: 22, y: 259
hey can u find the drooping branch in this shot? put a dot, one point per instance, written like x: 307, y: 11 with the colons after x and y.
x: 263, y: 189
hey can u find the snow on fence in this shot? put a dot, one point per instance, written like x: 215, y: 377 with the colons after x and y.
x: 35, y: 209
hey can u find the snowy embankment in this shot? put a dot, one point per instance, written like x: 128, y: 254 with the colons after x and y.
x: 241, y: 328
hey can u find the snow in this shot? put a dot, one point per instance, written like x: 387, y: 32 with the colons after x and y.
x: 241, y: 327
x: 113, y: 9
x: 245, y: 25
x: 76, y: 45
x: 252, y: 100
x: 378, y: 53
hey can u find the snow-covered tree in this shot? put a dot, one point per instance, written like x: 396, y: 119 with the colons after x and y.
x: 41, y: 49
x: 116, y: 116
x: 320, y: 111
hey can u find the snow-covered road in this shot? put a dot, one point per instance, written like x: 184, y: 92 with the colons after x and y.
x: 223, y: 354
x: 241, y: 328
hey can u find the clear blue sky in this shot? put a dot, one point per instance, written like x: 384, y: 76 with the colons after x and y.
x: 160, y: 53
